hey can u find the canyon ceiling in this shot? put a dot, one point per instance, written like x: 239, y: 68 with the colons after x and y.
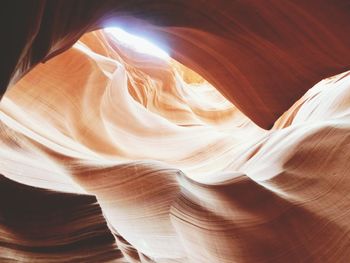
x: 234, y: 149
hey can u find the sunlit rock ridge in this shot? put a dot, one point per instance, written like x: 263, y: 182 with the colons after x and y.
x: 228, y: 143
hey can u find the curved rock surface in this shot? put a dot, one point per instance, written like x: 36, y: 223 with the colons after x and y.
x: 178, y: 172
x: 262, y: 56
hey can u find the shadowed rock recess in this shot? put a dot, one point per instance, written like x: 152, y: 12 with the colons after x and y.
x: 235, y: 148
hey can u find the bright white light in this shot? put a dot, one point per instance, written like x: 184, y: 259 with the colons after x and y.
x: 137, y: 43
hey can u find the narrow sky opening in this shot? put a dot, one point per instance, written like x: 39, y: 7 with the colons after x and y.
x: 137, y: 43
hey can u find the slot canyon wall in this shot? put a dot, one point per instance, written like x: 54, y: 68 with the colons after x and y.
x: 235, y: 149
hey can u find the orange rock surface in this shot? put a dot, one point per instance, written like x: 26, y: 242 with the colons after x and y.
x: 112, y: 155
x: 262, y: 56
x: 179, y: 172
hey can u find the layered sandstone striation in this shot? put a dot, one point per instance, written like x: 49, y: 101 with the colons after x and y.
x: 262, y: 56
x: 225, y: 152
x: 104, y: 141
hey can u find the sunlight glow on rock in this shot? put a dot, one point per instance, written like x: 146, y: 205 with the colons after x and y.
x: 137, y: 43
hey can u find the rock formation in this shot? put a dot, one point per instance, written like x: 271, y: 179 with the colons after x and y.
x: 225, y: 152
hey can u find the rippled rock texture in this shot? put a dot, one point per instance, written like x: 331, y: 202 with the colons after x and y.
x: 108, y: 154
x: 262, y: 56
